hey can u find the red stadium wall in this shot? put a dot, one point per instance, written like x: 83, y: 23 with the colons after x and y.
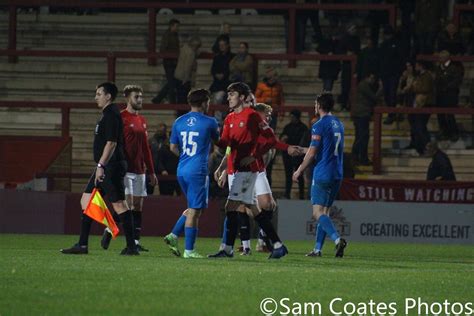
x: 59, y: 213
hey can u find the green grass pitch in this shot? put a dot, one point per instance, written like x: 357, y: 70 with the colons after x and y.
x: 35, y: 279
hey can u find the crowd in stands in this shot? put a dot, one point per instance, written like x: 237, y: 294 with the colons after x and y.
x: 389, y: 72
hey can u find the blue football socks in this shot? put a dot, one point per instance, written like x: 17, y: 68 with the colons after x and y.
x: 190, y: 234
x: 178, y: 228
x: 328, y: 227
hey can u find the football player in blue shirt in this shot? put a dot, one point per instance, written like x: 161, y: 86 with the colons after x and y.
x: 327, y: 147
x: 191, y: 138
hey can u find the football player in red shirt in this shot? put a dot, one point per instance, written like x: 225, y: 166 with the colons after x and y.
x: 139, y: 161
x: 241, y: 131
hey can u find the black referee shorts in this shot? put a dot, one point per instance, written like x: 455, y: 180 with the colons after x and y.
x: 113, y: 185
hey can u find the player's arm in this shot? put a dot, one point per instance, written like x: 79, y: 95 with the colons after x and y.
x: 174, y: 141
x: 311, y: 153
x: 174, y: 149
x: 308, y: 158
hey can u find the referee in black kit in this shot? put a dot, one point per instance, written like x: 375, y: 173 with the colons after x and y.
x: 110, y: 171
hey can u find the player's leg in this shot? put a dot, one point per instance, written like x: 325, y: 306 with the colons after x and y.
x: 230, y: 181
x: 244, y: 229
x: 172, y: 238
x: 190, y: 233
x: 82, y: 246
x: 114, y: 185
x: 322, y: 198
x: 231, y: 209
x: 139, y: 193
x: 198, y: 195
x: 267, y: 205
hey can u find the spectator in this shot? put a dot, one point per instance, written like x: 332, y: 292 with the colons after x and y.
x: 366, y: 99
x: 428, y: 20
x: 423, y: 87
x: 165, y: 161
x: 376, y: 18
x: 440, y: 167
x: 292, y: 134
x: 302, y: 17
x: 405, y: 95
x: 270, y: 91
x: 368, y: 61
x: 241, y: 66
x: 451, y: 40
x: 390, y: 69
x: 328, y: 70
x: 185, y: 73
x: 449, y: 77
x: 350, y: 45
x: 224, y: 35
x: 169, y: 44
x: 220, y: 72
x: 407, y: 8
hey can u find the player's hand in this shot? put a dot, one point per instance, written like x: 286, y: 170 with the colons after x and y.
x: 217, y: 175
x: 222, y: 179
x: 296, y: 175
x: 246, y: 161
x: 153, y: 180
x: 99, y: 175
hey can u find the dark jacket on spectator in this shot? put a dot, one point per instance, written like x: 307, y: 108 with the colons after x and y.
x: 366, y: 100
x: 328, y: 69
x: 170, y: 44
x: 220, y: 65
x: 390, y: 58
x: 449, y: 80
x: 368, y: 62
x: 440, y: 168
x: 295, y: 132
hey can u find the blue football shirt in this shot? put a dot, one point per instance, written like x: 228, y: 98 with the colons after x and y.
x: 193, y: 133
x: 327, y: 135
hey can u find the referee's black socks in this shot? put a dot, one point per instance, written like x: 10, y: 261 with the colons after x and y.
x: 86, y: 222
x: 127, y: 223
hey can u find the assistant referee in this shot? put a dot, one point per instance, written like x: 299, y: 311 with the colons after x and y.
x: 109, y: 173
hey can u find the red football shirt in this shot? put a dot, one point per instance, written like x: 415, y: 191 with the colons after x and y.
x: 264, y: 145
x: 137, y: 150
x: 241, y: 132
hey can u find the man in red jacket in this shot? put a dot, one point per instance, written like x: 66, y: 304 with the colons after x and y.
x: 138, y: 156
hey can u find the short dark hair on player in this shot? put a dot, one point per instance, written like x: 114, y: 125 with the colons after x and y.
x: 239, y: 87
x: 131, y: 88
x: 326, y: 101
x: 197, y: 97
x: 109, y: 88
x: 245, y: 44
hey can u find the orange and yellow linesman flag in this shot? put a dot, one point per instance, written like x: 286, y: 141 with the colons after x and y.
x: 98, y: 211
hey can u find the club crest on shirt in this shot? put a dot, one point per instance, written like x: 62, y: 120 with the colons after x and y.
x: 131, y: 125
x: 334, y: 124
x: 241, y: 124
x: 191, y: 121
x: 231, y: 125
